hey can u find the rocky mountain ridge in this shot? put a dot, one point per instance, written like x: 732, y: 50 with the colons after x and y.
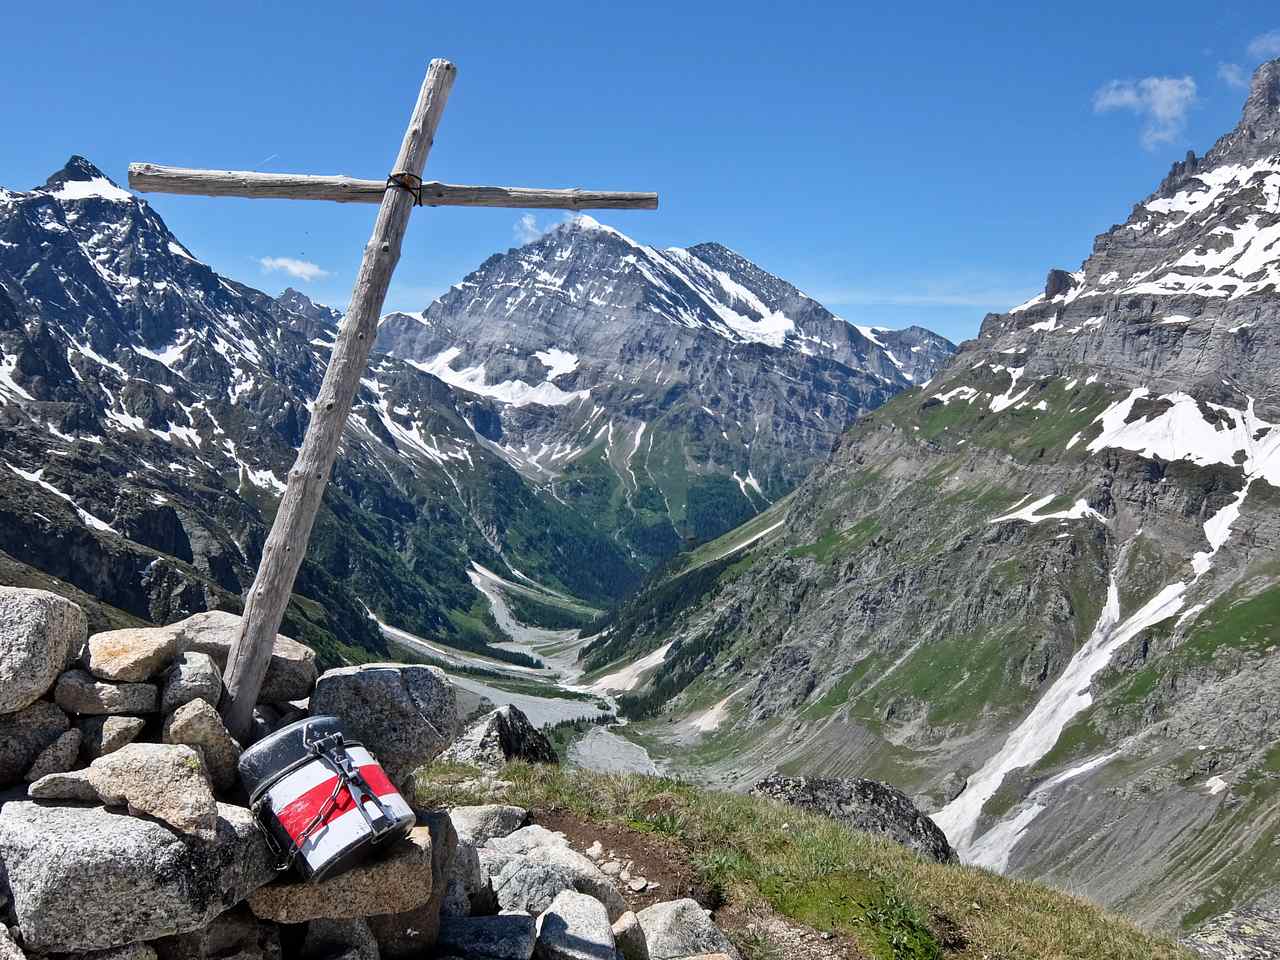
x: 150, y: 409
x: 1041, y: 593
x: 672, y: 394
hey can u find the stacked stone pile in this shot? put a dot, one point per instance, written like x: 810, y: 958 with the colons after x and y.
x: 125, y: 832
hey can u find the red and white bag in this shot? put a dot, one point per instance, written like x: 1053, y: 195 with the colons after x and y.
x: 324, y: 802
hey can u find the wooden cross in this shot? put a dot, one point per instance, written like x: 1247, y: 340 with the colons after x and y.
x: 397, y: 195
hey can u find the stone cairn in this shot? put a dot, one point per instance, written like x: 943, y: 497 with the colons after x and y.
x: 125, y: 832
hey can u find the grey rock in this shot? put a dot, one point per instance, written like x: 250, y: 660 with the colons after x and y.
x: 38, y: 633
x: 520, y: 883
x: 291, y: 673
x: 464, y: 883
x: 8, y: 949
x: 101, y: 735
x: 507, y: 937
x: 412, y: 934
x: 131, y: 655
x: 1250, y: 932
x: 544, y: 847
x: 629, y: 938
x: 574, y: 927
x: 192, y: 676
x: 58, y: 757
x: 198, y: 725
x: 26, y: 734
x: 165, y: 781
x: 330, y: 939
x: 397, y: 881
x: 526, y: 839
x: 130, y: 951
x: 404, y: 714
x: 484, y: 822
x: 681, y: 928
x: 234, y: 935
x: 587, y: 877
x: 79, y: 692
x: 64, y: 786
x: 864, y: 805
x: 84, y: 878
x: 501, y: 736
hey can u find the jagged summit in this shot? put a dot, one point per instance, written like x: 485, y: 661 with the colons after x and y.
x: 695, y: 384
x: 1040, y: 594
x: 1257, y: 135
x: 81, y: 180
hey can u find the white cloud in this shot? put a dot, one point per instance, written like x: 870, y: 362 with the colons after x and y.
x: 1233, y: 75
x: 526, y: 229
x: 1265, y: 45
x: 1162, y: 102
x: 301, y: 269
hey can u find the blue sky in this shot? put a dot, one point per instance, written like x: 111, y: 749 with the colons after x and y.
x: 901, y: 162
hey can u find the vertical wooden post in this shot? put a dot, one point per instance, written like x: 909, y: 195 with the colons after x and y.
x: 287, y: 543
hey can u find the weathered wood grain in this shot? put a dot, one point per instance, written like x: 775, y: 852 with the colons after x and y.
x: 154, y: 178
x: 287, y: 543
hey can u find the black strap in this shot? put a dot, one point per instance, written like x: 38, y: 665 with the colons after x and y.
x: 331, y: 751
x: 409, y: 182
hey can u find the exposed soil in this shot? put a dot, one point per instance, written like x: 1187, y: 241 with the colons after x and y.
x: 760, y: 931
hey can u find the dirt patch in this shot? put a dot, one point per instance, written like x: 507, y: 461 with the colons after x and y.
x: 655, y: 858
x: 763, y: 934
x: 759, y: 931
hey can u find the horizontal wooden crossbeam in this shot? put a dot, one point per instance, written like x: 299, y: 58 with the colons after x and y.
x: 154, y: 178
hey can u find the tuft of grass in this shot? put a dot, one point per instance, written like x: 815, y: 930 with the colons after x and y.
x: 894, y: 904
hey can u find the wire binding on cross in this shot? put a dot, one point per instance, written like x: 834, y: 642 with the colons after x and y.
x: 408, y: 182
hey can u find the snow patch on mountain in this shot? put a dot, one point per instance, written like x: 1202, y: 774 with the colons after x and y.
x: 518, y: 393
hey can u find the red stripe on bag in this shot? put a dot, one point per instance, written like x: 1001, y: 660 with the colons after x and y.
x: 298, y: 815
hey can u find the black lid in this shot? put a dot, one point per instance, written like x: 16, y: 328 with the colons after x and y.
x: 283, y: 751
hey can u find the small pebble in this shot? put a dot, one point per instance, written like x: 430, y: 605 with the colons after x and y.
x: 637, y: 884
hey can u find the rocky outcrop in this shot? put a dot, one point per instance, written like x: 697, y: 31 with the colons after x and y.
x: 197, y: 725
x: 1251, y: 932
x: 867, y: 805
x: 80, y: 692
x: 406, y: 714
x: 499, y: 737
x: 574, y: 927
x: 629, y: 938
x: 410, y: 934
x: 39, y: 633
x: 83, y: 878
x: 101, y: 735
x: 291, y: 672
x: 26, y: 734
x: 681, y: 928
x: 58, y: 757
x: 506, y: 937
x: 397, y: 882
x: 130, y: 655
x: 192, y: 676
x: 484, y: 822
x: 348, y: 939
x: 165, y: 781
